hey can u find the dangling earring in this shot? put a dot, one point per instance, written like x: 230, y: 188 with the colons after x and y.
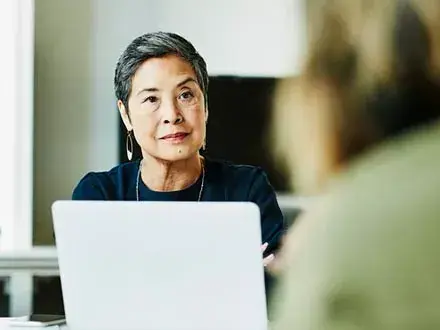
x: 129, y: 145
x: 204, y: 140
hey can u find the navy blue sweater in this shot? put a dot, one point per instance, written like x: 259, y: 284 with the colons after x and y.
x: 223, y: 182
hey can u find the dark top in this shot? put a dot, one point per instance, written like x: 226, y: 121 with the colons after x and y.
x: 223, y: 182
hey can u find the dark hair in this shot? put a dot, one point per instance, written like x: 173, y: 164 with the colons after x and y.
x: 154, y: 45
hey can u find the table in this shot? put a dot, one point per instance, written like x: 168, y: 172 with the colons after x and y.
x: 4, y: 325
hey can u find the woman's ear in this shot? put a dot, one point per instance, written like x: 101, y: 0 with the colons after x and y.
x: 206, y: 115
x: 123, y: 111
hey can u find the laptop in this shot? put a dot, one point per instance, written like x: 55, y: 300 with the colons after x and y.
x: 160, y: 265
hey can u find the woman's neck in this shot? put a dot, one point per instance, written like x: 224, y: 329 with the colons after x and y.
x: 159, y: 175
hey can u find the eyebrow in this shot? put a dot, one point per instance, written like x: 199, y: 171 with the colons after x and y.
x: 187, y: 80
x: 155, y: 89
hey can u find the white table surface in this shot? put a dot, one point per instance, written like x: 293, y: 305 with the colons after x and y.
x: 5, y: 325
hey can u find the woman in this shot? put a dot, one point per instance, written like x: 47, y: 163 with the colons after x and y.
x: 161, y: 85
x: 365, y: 256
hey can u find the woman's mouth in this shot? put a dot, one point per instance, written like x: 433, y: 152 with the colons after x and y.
x: 175, y: 137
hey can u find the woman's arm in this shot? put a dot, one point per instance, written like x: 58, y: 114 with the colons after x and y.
x: 272, y: 220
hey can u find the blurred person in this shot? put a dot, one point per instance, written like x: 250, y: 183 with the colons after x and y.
x: 360, y: 128
x: 161, y: 86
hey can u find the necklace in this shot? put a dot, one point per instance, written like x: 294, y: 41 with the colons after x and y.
x: 139, y: 177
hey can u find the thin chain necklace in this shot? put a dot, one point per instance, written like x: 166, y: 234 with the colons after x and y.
x: 139, y: 177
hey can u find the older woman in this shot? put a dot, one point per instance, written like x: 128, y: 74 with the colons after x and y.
x: 161, y: 85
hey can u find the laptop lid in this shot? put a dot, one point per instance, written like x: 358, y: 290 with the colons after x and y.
x: 160, y: 265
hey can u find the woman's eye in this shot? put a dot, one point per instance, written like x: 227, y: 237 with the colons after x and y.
x: 150, y: 99
x: 186, y: 96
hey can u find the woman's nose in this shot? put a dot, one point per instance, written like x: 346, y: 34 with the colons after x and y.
x: 177, y: 120
x: 172, y: 114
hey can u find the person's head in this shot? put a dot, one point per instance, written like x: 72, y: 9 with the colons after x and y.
x: 371, y: 73
x: 161, y: 84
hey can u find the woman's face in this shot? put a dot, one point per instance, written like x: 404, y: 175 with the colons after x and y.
x: 166, y: 109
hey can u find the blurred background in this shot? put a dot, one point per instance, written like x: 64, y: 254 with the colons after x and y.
x: 58, y: 90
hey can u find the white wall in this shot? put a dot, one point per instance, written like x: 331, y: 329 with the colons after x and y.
x: 64, y: 113
x: 78, y: 44
x: 247, y: 37
x: 16, y: 93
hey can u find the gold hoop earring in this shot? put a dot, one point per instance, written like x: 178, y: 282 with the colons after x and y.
x: 129, y: 145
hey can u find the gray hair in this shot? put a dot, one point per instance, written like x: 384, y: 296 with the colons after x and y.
x: 155, y: 45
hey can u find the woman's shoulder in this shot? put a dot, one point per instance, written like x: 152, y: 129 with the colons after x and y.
x: 239, y: 179
x: 230, y: 170
x: 106, y: 185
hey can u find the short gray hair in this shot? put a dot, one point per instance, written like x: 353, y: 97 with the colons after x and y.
x: 156, y: 45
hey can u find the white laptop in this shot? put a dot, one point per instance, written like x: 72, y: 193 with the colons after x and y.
x: 160, y: 265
